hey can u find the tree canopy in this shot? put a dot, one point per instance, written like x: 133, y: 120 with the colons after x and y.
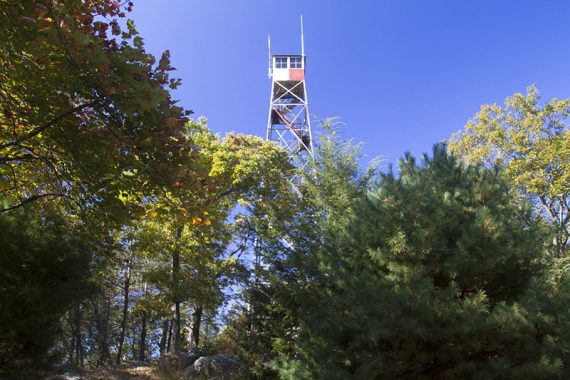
x: 531, y: 142
x: 86, y: 113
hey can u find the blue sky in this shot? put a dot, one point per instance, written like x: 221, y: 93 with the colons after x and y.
x: 401, y: 74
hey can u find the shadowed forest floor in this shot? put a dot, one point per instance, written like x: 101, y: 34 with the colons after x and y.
x: 138, y: 372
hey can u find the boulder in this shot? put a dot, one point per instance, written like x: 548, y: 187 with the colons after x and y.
x: 214, y: 367
x: 186, y: 359
x: 178, y: 362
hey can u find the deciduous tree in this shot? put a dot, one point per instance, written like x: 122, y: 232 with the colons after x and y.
x: 530, y: 141
x: 86, y: 115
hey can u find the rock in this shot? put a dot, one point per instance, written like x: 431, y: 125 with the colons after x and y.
x: 214, y: 367
x: 191, y: 357
x: 178, y: 362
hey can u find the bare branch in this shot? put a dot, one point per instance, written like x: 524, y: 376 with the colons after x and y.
x: 17, y: 158
x: 547, y: 206
x: 41, y: 128
x: 31, y: 199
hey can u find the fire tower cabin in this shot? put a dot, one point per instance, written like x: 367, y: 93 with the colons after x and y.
x: 289, y: 123
x: 288, y: 68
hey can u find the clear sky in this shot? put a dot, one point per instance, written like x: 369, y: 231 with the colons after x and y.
x: 401, y: 74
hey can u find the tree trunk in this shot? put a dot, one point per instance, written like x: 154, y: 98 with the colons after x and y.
x: 71, y: 350
x: 77, y: 334
x: 176, y: 284
x: 102, y: 323
x: 142, y: 342
x: 106, y: 353
x: 164, y: 336
x: 126, y: 289
x: 73, y: 355
x: 169, y: 340
x: 196, y: 321
x: 176, y: 328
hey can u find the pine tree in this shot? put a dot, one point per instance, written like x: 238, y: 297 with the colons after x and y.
x: 437, y: 275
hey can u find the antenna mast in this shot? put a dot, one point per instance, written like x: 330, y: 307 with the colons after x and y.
x: 302, y: 39
x: 269, y: 72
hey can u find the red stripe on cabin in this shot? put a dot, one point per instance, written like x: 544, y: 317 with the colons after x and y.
x: 296, y: 74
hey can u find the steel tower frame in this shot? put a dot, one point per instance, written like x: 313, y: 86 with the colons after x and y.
x: 289, y: 123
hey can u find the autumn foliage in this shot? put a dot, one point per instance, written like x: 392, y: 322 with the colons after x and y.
x: 86, y: 112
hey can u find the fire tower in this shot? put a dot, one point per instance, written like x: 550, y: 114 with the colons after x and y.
x: 289, y: 124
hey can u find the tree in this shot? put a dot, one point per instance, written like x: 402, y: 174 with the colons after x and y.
x: 85, y: 112
x: 531, y: 142
x: 288, y: 233
x: 45, y: 269
x: 437, y: 275
x: 197, y: 255
x: 88, y: 131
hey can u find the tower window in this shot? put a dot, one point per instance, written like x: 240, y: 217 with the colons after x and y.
x: 296, y: 63
x: 280, y: 62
